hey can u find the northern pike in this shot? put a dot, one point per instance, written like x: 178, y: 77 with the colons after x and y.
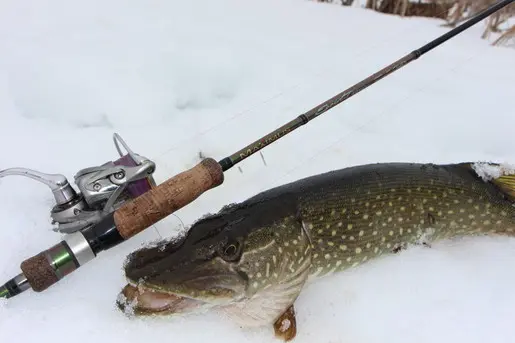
x: 251, y: 260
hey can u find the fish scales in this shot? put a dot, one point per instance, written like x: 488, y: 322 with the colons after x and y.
x: 360, y: 217
x: 251, y: 260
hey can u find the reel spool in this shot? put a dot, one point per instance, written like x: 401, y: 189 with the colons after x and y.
x: 101, y: 189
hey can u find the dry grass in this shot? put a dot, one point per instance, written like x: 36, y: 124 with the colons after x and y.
x: 452, y: 11
x: 408, y: 8
x: 464, y: 9
x: 507, y: 38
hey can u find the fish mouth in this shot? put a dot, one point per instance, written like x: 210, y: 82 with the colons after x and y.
x: 190, y: 296
x: 140, y: 300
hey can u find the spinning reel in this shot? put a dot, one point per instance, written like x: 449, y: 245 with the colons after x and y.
x: 101, y: 189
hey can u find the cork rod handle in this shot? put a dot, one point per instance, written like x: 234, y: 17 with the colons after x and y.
x: 168, y: 197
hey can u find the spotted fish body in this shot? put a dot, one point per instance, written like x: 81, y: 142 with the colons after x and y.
x: 360, y: 213
x: 251, y: 260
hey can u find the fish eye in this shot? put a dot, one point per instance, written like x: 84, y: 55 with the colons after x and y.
x: 231, y: 251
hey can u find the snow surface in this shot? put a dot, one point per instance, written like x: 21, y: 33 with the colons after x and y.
x: 488, y: 171
x: 177, y: 78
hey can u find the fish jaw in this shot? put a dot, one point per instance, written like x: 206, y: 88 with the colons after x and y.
x: 205, y: 287
x: 138, y: 300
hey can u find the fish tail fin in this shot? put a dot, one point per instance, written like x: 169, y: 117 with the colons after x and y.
x: 500, y: 181
x: 506, y: 183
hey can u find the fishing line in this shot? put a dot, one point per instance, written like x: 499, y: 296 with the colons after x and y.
x: 457, y: 66
x: 444, y: 73
x: 156, y: 229
x: 411, y: 29
x: 181, y: 227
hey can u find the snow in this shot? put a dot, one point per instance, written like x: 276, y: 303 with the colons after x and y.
x: 488, y: 171
x: 179, y: 78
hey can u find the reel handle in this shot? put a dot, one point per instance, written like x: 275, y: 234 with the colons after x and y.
x: 140, y: 213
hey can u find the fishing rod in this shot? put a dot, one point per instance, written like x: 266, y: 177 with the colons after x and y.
x: 117, y: 200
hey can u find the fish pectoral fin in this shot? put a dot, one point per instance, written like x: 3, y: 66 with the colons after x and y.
x: 264, y: 308
x: 285, y: 326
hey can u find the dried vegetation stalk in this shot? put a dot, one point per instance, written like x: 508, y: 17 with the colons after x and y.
x: 452, y: 11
